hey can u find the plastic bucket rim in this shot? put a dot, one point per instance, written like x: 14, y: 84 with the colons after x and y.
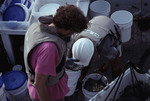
x: 88, y: 94
x: 5, y: 75
x: 20, y: 5
x: 54, y: 5
x: 108, y: 8
x: 122, y: 11
x: 125, y: 26
x: 87, y: 77
x: 21, y: 89
x: 25, y: 9
x: 99, y: 13
x: 93, y: 74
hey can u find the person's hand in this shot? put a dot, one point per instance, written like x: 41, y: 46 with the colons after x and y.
x: 73, y: 66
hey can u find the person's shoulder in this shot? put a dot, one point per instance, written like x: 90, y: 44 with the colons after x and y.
x: 48, y: 44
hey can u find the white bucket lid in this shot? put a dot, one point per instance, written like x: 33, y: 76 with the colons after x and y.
x: 49, y: 9
x: 25, y: 9
x: 16, y: 12
x: 100, y: 6
x: 122, y: 17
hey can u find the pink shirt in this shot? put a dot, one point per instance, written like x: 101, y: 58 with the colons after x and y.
x: 43, y: 60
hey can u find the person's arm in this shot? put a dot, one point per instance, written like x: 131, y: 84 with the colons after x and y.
x: 111, y: 53
x: 42, y: 89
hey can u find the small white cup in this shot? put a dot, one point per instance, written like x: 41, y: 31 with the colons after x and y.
x: 17, y: 67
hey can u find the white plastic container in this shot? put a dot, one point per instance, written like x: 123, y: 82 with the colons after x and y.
x: 21, y: 25
x: 15, y: 84
x: 46, y: 9
x: 127, y: 80
x: 73, y: 77
x: 100, y: 7
x: 72, y: 90
x: 124, y: 19
x: 2, y: 91
x: 95, y: 76
x: 49, y: 9
x: 83, y: 5
x: 17, y: 67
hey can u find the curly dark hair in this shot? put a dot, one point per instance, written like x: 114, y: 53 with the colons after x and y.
x: 70, y: 17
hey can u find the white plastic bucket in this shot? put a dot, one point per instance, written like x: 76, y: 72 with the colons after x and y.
x: 15, y: 84
x: 20, y: 92
x: 27, y: 3
x: 17, y: 67
x: 95, y: 76
x: 100, y: 7
x: 72, y: 89
x: 124, y: 19
x: 73, y: 77
x: 2, y: 91
x: 49, y: 9
x: 46, y: 9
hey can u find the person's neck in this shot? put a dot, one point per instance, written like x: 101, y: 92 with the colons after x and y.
x: 51, y: 24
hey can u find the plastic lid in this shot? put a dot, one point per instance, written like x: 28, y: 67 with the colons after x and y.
x: 100, y: 6
x: 14, y: 79
x: 122, y: 17
x: 15, y: 12
x: 1, y: 82
x: 49, y: 9
x: 25, y: 9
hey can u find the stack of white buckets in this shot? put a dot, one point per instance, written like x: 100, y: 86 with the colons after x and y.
x: 123, y: 18
x: 73, y: 77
